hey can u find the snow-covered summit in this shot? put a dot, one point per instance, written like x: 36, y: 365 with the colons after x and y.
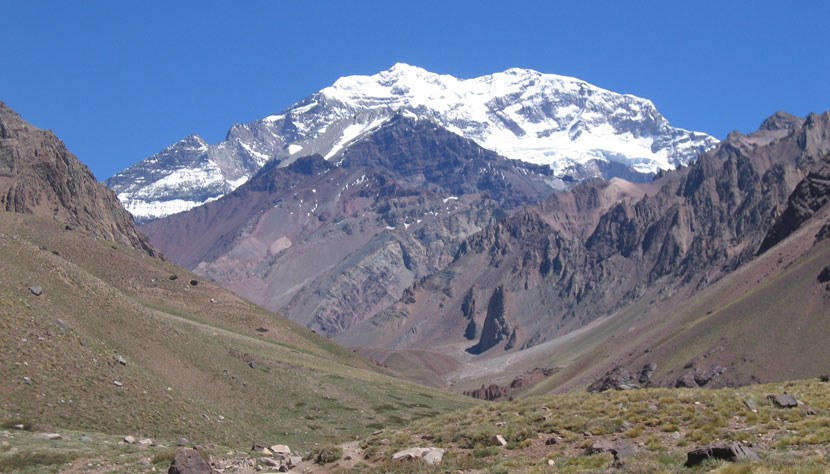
x: 559, y: 121
x: 523, y: 114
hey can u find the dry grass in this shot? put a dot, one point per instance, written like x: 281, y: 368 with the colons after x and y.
x: 664, y: 424
x: 196, y: 365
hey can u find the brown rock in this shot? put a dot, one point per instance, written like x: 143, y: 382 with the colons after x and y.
x: 783, y: 401
x: 189, y: 461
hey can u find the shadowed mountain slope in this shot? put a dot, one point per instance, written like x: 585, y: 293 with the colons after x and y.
x: 330, y: 243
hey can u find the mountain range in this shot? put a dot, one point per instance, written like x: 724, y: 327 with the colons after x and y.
x: 459, y: 266
x: 445, y: 263
x: 576, y: 129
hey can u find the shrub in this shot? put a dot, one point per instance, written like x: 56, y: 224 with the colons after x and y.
x: 325, y: 454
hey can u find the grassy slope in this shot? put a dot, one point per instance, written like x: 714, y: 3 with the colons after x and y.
x: 196, y: 364
x: 664, y: 424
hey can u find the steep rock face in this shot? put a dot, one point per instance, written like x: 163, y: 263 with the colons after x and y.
x: 591, y: 251
x: 813, y: 192
x: 495, y: 328
x: 38, y: 175
x: 572, y: 127
x: 331, y: 244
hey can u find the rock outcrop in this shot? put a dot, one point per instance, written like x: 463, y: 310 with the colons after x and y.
x: 38, y: 175
x: 189, y: 461
x: 725, y: 452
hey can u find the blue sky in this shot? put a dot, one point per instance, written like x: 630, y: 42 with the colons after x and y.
x: 120, y: 80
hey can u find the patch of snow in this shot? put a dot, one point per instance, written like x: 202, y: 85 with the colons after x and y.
x: 352, y: 132
x: 294, y: 149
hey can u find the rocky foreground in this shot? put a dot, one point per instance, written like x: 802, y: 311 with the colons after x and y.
x: 762, y: 428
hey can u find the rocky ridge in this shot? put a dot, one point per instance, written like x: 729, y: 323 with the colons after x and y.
x: 39, y: 176
x: 605, y: 245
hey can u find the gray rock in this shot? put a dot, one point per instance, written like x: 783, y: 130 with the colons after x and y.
x: 117, y: 383
x: 189, y: 461
x: 121, y: 360
x: 27, y: 380
x: 36, y: 290
x: 783, y: 401
x: 619, y: 451
x: 615, y: 379
x: 730, y: 452
x: 129, y: 439
x: 280, y: 449
x: 182, y: 442
x: 646, y: 372
x: 430, y: 456
x: 50, y: 436
x: 84, y: 438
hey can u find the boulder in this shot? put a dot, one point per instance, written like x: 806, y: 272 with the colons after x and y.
x: 498, y: 440
x: 280, y: 449
x: 182, y: 442
x: 50, y: 436
x: 646, y: 372
x: 36, y: 290
x: 129, y: 439
x: 260, y: 449
x: 726, y: 452
x: 189, y: 461
x: 784, y: 400
x: 616, y: 379
x: 427, y: 455
x: 619, y: 451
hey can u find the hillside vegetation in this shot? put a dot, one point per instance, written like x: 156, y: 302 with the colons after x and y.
x: 656, y: 426
x: 122, y: 343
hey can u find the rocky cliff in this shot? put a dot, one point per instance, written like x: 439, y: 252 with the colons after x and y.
x: 38, y: 175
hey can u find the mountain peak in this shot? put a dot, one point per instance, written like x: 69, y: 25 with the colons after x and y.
x: 781, y: 121
x: 576, y: 129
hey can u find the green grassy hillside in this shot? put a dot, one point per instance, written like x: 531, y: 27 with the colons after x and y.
x: 199, y: 362
x: 552, y: 433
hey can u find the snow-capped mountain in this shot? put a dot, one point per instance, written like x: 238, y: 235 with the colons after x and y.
x: 563, y: 122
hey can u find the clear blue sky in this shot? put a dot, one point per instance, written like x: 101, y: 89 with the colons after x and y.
x: 120, y: 80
